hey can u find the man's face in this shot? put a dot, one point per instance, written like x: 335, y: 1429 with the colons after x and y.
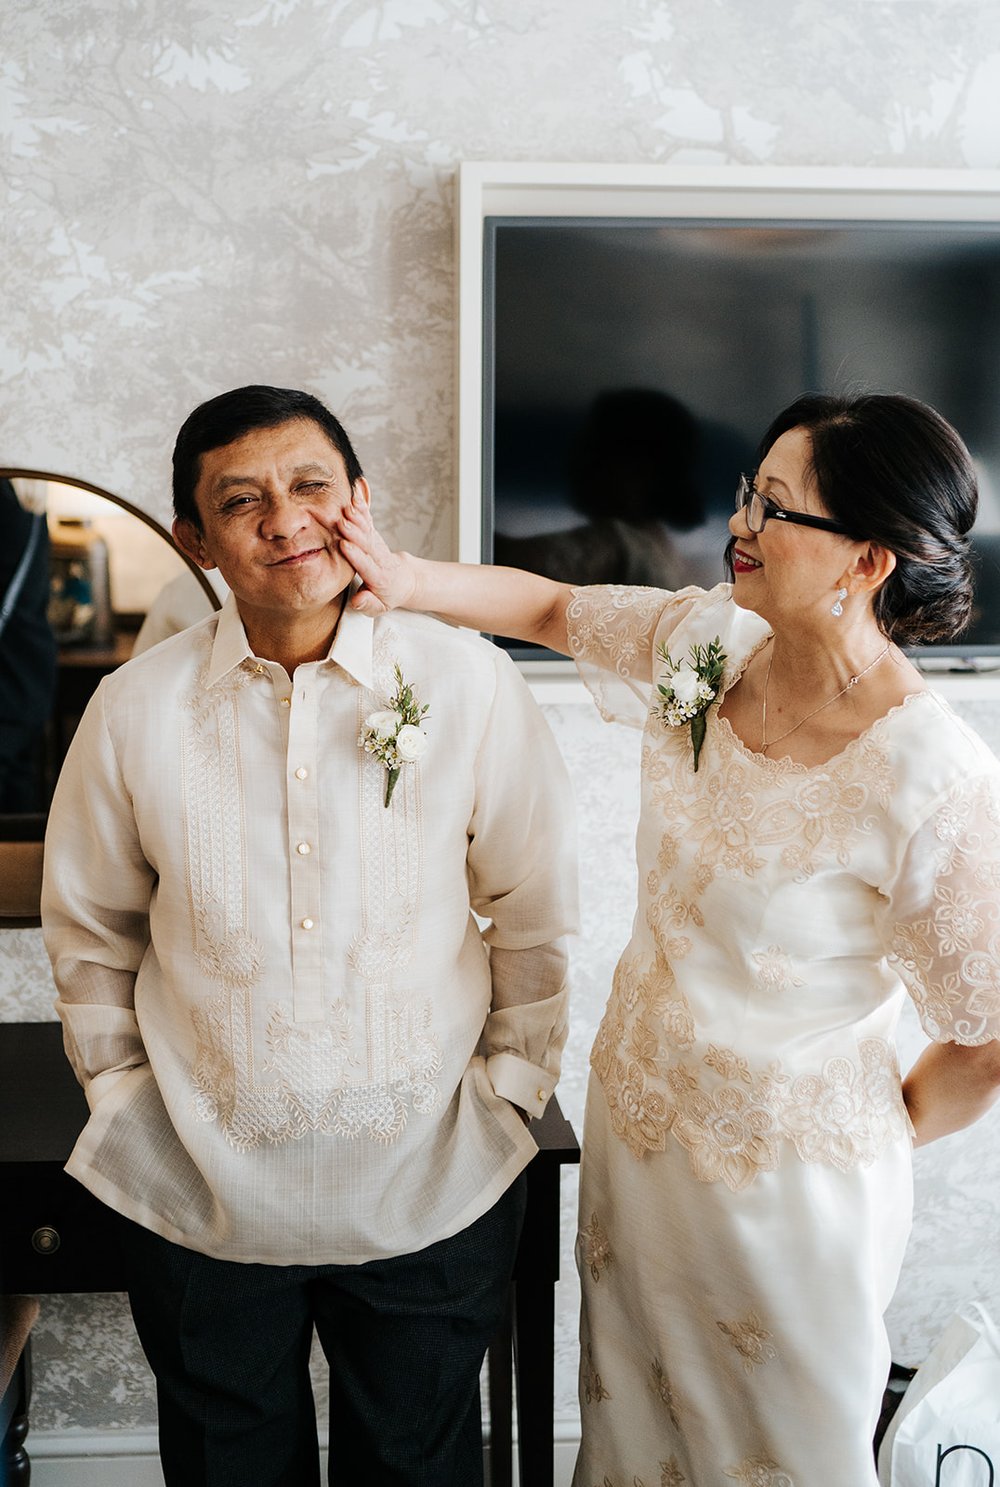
x: 267, y: 504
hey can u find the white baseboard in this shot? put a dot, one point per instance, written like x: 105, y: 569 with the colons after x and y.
x: 84, y: 1458
x: 564, y: 1460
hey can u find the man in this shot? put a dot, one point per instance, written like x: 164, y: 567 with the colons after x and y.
x: 307, y: 1073
x: 27, y: 654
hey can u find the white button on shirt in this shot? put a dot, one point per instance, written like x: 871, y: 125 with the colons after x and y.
x: 263, y: 1093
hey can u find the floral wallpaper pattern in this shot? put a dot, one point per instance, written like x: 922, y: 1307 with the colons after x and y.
x: 198, y: 195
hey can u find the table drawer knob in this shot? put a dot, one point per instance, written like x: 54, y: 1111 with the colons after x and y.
x: 45, y: 1240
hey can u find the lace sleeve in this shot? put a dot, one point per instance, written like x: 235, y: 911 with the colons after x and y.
x: 611, y: 633
x: 945, y: 916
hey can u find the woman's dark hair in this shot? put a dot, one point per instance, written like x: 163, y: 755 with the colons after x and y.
x: 233, y: 414
x: 893, y: 471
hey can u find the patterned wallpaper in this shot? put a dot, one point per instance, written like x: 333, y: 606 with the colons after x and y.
x: 200, y: 195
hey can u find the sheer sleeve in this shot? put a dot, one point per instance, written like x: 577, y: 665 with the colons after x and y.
x: 945, y: 915
x: 611, y: 635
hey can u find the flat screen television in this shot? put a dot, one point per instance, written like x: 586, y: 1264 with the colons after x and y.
x: 631, y: 364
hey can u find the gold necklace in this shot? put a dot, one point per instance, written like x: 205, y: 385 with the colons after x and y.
x: 765, y: 742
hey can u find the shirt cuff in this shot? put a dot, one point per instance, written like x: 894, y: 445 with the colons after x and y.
x: 520, y: 1082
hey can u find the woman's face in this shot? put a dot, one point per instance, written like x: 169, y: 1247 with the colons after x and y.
x: 788, y: 574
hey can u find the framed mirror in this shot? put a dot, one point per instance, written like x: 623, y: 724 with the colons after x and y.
x: 87, y: 580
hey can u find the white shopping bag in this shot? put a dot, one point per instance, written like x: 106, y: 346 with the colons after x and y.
x: 946, y: 1432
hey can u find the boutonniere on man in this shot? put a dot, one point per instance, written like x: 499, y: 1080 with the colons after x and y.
x: 689, y: 688
x: 393, y: 734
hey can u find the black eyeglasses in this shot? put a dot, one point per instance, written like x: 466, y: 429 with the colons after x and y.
x: 759, y: 510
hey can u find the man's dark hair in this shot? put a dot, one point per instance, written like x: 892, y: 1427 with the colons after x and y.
x: 233, y: 414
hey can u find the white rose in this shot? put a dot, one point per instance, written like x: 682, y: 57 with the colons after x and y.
x: 685, y: 683
x: 383, y: 722
x: 410, y: 743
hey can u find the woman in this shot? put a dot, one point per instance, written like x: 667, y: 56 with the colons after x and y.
x: 746, y: 1190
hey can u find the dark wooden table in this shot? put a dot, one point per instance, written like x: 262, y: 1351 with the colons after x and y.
x: 56, y: 1237
x: 529, y: 1336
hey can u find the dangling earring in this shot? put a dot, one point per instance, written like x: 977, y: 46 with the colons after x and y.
x: 837, y: 607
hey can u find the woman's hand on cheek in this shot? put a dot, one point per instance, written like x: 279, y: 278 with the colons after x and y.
x: 386, y: 580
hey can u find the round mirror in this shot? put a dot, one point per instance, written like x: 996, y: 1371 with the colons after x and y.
x: 86, y: 580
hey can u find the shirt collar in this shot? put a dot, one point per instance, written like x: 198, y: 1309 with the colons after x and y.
x: 354, y: 643
x: 351, y: 649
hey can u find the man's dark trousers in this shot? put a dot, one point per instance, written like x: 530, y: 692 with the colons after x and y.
x: 405, y: 1338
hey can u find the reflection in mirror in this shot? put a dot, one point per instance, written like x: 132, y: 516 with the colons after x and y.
x: 28, y: 651
x: 86, y: 580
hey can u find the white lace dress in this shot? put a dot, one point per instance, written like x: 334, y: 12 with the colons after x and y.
x: 746, y: 1186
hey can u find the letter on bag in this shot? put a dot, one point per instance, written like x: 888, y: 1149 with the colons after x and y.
x: 939, y: 1480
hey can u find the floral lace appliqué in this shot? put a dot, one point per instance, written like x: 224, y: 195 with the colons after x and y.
x: 720, y: 820
x: 665, y: 1392
x: 823, y: 812
x: 593, y: 1386
x: 759, y: 1471
x: 840, y: 1115
x: 775, y: 973
x: 949, y: 954
x: 751, y: 1339
x: 730, y: 1134
x: 595, y: 1248
x: 619, y: 636
x: 844, y: 1115
x: 729, y: 1064
x: 641, y: 1115
x: 651, y: 995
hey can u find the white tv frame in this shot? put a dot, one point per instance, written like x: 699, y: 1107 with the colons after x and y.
x: 518, y: 189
